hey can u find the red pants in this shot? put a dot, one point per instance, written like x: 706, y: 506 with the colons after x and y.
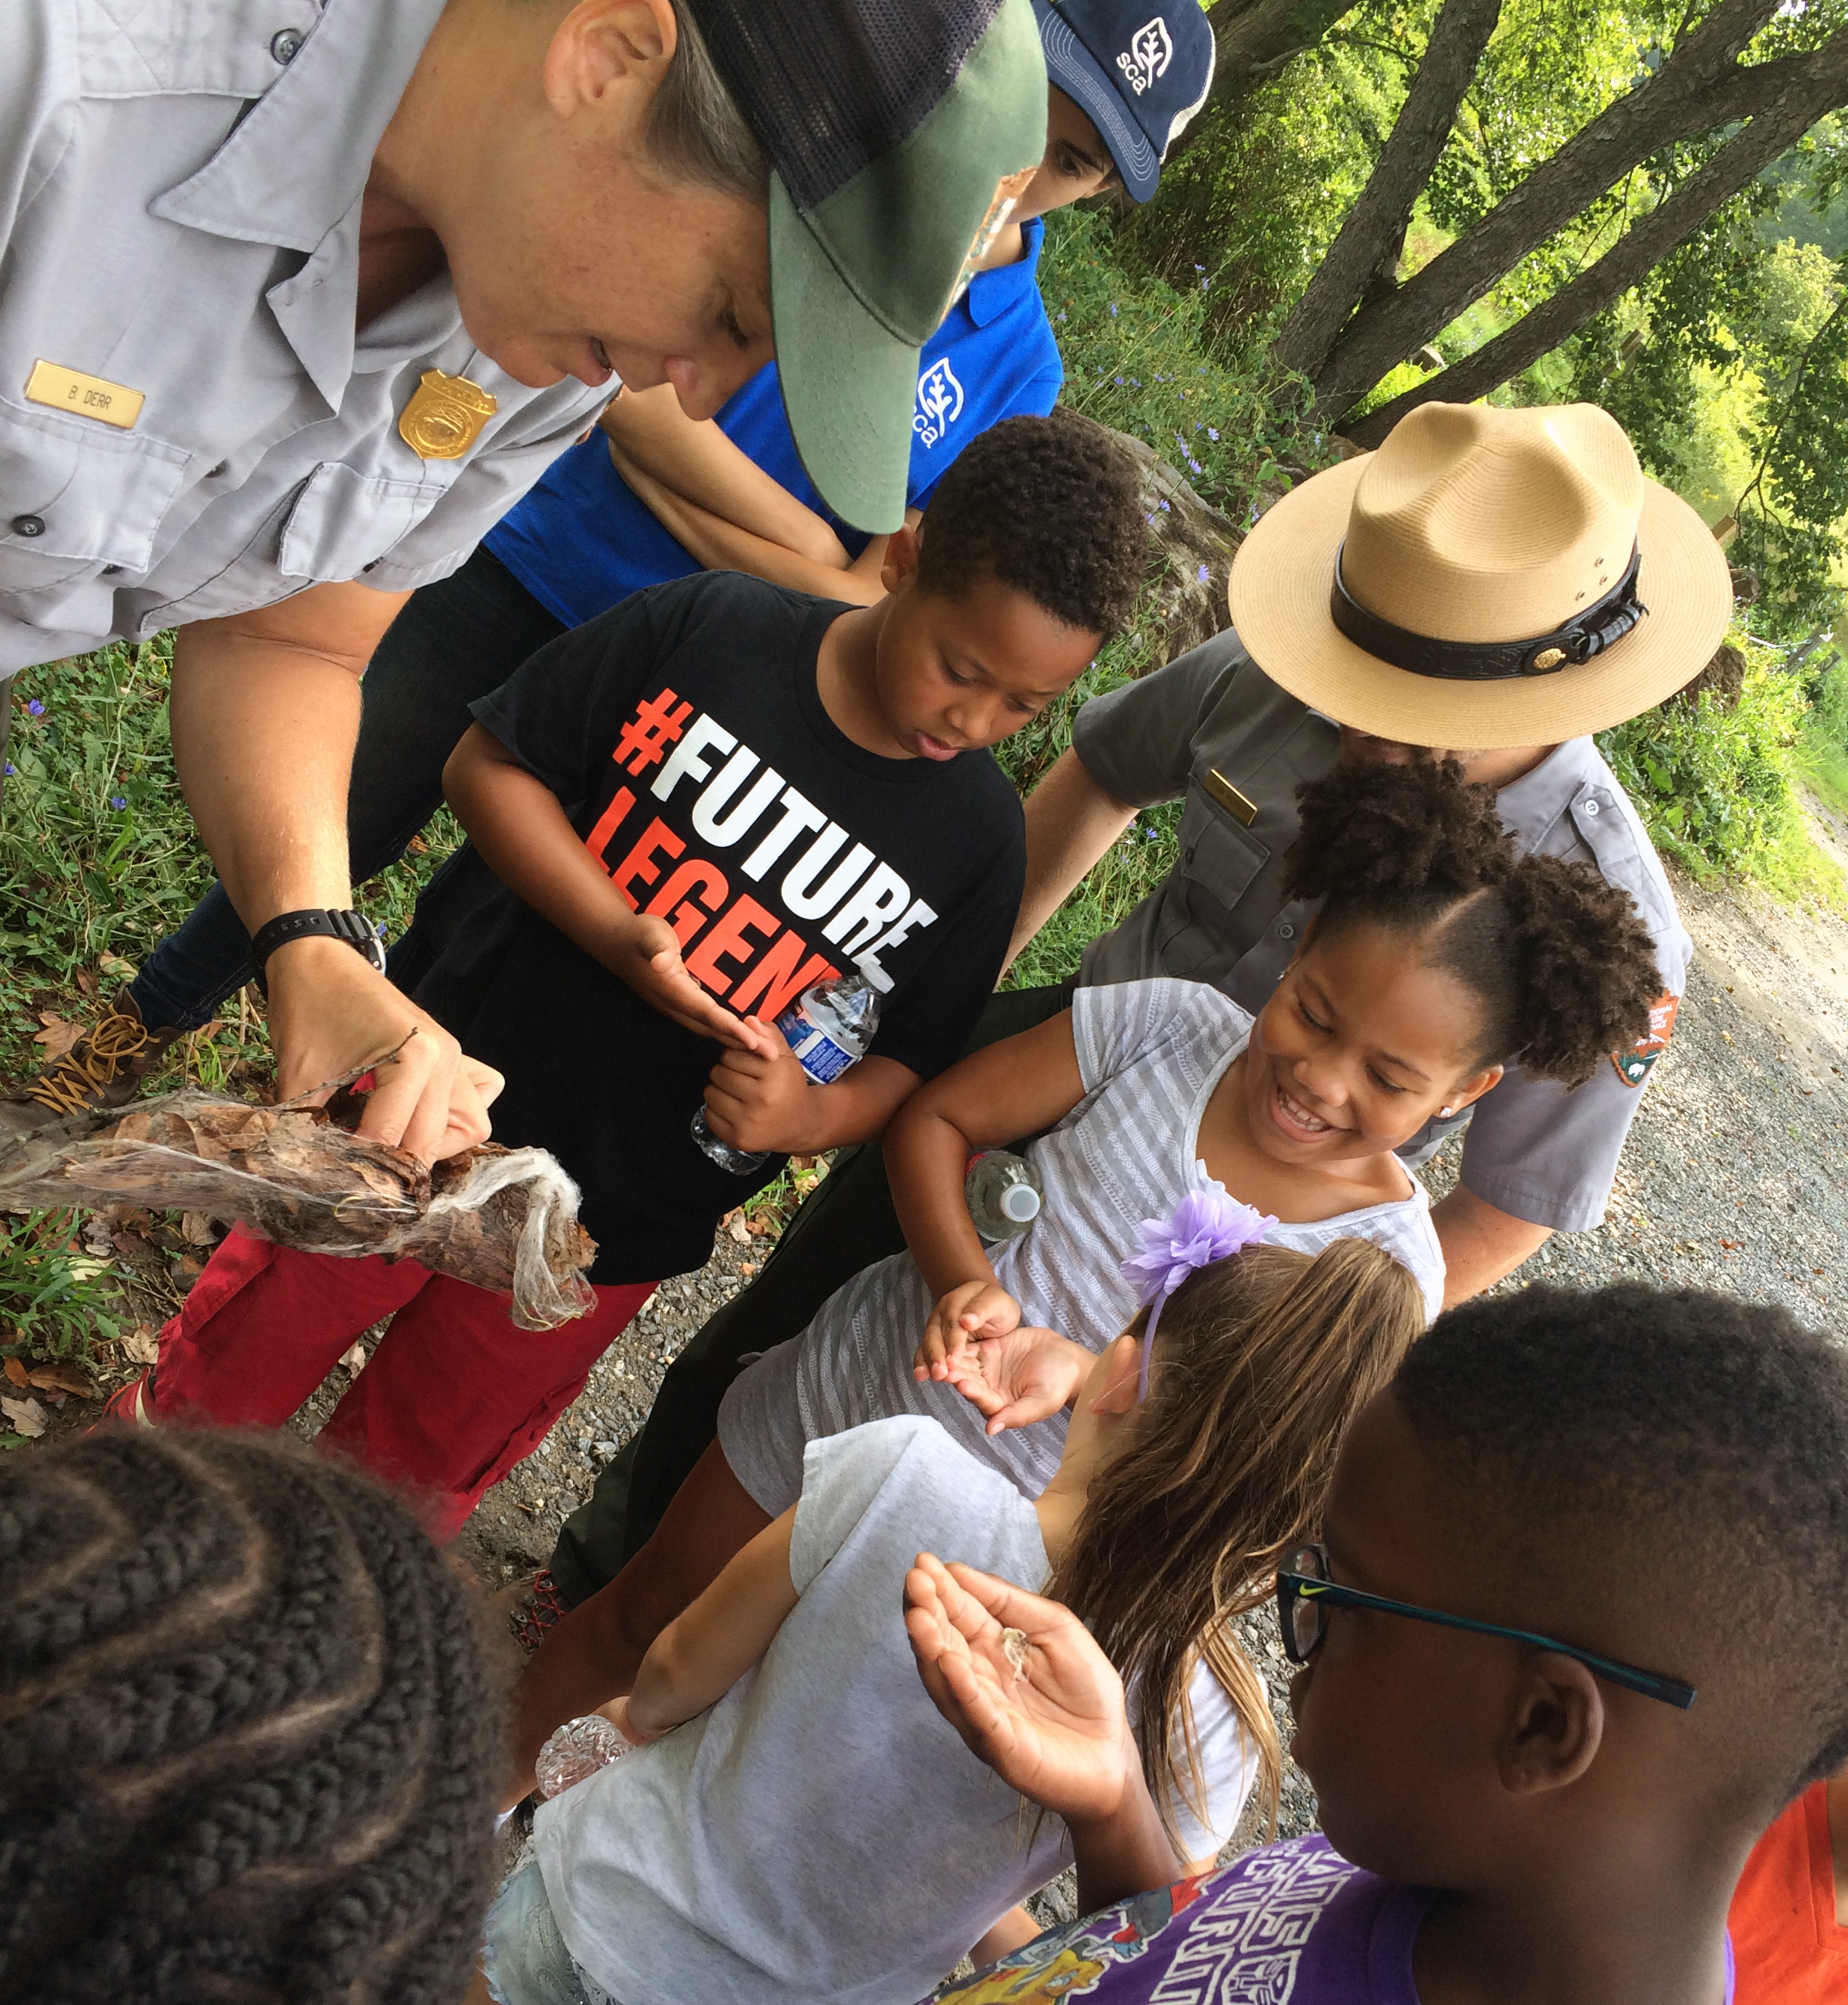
x: 453, y: 1395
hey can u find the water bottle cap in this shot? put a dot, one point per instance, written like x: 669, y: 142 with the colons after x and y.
x: 1021, y: 1203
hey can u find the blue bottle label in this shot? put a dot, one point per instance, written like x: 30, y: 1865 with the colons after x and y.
x: 822, y: 1058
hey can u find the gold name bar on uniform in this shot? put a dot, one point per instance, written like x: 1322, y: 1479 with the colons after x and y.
x: 88, y: 396
x: 1229, y: 797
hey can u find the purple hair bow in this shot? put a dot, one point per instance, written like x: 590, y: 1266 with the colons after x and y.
x: 1207, y: 1225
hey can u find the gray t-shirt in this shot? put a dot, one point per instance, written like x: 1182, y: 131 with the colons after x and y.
x: 1211, y: 728
x: 1149, y: 1053
x: 822, y: 1833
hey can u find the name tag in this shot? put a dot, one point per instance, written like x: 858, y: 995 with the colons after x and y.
x: 1229, y: 798
x: 88, y: 396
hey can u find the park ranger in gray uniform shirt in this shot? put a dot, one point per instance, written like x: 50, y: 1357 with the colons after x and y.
x: 1213, y: 729
x: 298, y: 296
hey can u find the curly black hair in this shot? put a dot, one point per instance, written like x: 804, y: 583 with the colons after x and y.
x: 1561, y: 961
x: 250, y: 1747
x: 1050, y: 507
x: 1693, y: 1448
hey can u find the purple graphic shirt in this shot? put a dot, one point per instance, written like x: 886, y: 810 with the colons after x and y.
x: 1290, y: 1924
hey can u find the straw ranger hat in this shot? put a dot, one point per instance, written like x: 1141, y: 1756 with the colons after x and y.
x: 1487, y: 578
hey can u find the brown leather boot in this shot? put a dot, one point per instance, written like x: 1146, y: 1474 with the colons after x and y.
x: 104, y: 1068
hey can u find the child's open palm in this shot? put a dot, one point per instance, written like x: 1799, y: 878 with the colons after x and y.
x: 1026, y: 1376
x: 1049, y: 1720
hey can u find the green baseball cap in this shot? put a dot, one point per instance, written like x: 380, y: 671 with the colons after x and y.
x: 900, y: 133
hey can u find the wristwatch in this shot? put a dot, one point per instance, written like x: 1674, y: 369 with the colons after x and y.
x: 354, y: 928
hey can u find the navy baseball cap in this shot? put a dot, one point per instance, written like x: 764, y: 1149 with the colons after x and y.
x: 1138, y: 77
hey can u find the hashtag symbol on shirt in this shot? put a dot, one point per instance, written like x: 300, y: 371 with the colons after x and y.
x: 657, y: 723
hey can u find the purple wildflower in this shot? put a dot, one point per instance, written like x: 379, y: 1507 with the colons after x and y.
x: 1113, y: 309
x: 35, y: 708
x: 1212, y: 434
x: 1204, y: 575
x: 118, y: 800
x: 1194, y: 464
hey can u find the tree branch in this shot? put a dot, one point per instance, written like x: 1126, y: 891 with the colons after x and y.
x: 1698, y: 87
x: 1257, y: 36
x: 1370, y: 239
x: 1649, y: 240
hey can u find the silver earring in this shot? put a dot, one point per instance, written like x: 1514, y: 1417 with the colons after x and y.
x: 1444, y: 1113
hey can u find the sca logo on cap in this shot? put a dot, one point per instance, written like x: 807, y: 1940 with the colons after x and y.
x: 940, y: 401
x: 1148, y: 55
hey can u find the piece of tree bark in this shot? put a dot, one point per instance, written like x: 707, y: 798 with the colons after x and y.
x: 1643, y: 246
x: 1373, y: 236
x: 1700, y: 85
x: 501, y: 1219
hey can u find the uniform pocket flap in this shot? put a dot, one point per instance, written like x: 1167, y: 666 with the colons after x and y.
x: 344, y: 520
x: 80, y: 491
x: 1220, y: 859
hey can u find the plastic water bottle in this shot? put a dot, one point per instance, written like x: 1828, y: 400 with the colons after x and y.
x: 1003, y: 1193
x: 576, y: 1752
x: 828, y: 1027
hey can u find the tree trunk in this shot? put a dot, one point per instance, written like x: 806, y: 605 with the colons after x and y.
x: 1699, y: 86
x: 1642, y: 248
x: 1189, y: 560
x: 1256, y: 36
x: 1373, y: 236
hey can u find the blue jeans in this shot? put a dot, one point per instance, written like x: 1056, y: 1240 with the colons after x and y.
x: 455, y: 641
x: 523, y: 1956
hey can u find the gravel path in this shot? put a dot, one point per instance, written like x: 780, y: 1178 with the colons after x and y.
x: 1733, y: 1180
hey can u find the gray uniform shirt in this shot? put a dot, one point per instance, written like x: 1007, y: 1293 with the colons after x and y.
x: 180, y: 194
x: 1534, y: 1149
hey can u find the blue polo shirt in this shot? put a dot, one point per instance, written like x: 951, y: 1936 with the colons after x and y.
x: 580, y: 540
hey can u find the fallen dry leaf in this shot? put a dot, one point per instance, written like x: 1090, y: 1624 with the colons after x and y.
x: 139, y: 1347
x: 59, y: 1377
x: 118, y: 969
x: 354, y: 1360
x: 196, y: 1229
x: 27, y: 1416
x: 18, y: 1374
x: 57, y: 1037
x: 85, y: 982
x: 734, y: 1223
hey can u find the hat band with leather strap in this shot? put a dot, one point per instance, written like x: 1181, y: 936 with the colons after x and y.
x: 1600, y: 626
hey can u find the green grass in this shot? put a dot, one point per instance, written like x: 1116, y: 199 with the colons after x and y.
x: 53, y: 1303
x: 1717, y: 787
x: 1823, y: 762
x: 98, y: 862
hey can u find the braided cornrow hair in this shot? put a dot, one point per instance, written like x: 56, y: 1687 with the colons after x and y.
x: 1560, y: 960
x: 248, y: 1745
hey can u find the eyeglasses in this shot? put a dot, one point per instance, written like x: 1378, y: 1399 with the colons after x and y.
x: 1304, y: 1594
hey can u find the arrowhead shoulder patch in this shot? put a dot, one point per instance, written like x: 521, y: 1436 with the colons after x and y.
x: 1634, y: 1066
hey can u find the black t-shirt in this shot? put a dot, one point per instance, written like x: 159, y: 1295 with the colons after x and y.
x: 683, y: 732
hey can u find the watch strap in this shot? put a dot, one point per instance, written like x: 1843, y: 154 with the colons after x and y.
x: 354, y: 928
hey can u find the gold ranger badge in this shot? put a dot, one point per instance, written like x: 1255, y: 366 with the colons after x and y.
x: 445, y: 416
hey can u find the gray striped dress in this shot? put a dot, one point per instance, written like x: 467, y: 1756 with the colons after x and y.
x: 1149, y: 1053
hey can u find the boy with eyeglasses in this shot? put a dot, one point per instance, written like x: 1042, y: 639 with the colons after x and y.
x: 1577, y: 1631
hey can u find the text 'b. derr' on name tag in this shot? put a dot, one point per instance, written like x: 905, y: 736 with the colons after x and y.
x: 64, y: 389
